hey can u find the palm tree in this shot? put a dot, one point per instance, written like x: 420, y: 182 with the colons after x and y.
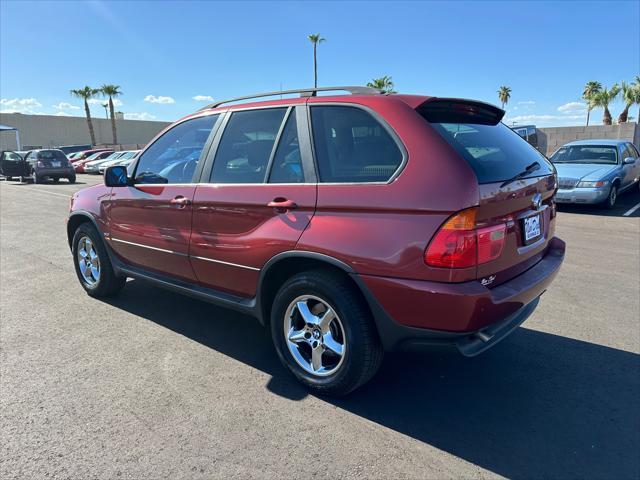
x: 384, y: 84
x: 315, y: 38
x: 111, y: 91
x: 603, y: 98
x: 636, y: 85
x: 504, y: 94
x: 590, y: 90
x: 85, y: 94
x: 630, y: 96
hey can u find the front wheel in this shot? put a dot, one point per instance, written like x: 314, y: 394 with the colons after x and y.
x: 324, y: 334
x: 612, y: 198
x: 92, y: 263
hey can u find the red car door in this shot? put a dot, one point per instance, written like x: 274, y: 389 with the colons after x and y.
x: 260, y: 197
x: 150, y: 221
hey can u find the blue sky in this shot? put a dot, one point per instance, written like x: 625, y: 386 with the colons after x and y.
x: 164, y: 54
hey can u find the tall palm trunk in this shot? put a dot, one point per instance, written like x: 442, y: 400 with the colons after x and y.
x: 624, y: 115
x: 113, y: 122
x: 315, y: 66
x: 588, y: 114
x: 89, y: 123
x: 606, y: 116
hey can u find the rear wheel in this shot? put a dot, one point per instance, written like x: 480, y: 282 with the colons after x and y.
x: 612, y: 198
x: 324, y: 334
x: 92, y: 263
x: 72, y: 179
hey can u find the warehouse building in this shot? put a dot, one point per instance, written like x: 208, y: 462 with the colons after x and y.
x: 44, y: 131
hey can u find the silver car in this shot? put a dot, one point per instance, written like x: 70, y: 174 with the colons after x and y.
x: 596, y: 171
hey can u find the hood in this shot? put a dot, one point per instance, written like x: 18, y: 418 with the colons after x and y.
x: 583, y: 171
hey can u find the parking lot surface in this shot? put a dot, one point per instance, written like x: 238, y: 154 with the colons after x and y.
x: 155, y: 385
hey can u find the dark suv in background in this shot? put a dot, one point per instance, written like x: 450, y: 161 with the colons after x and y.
x: 350, y: 224
x: 37, y: 165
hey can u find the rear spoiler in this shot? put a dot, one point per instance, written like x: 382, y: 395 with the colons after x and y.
x: 456, y: 110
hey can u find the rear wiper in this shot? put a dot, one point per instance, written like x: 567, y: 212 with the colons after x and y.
x: 530, y: 169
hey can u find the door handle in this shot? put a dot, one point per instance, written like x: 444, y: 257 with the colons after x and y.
x: 180, y: 201
x: 281, y: 205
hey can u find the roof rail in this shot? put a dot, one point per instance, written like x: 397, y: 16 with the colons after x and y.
x: 304, y: 92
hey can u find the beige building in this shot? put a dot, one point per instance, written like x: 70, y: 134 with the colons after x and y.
x: 41, y: 131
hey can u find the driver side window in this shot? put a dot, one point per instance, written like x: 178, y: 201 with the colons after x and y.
x: 174, y: 156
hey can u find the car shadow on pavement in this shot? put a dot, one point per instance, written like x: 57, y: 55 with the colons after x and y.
x: 536, y: 405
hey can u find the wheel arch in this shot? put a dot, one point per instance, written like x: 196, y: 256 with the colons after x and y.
x: 284, y: 265
x: 76, y: 219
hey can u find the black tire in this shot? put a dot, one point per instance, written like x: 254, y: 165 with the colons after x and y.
x: 72, y: 179
x: 363, y: 350
x: 35, y: 178
x: 612, y: 198
x: 108, y: 283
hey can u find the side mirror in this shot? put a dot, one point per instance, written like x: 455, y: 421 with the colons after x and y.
x: 116, y: 176
x: 628, y: 161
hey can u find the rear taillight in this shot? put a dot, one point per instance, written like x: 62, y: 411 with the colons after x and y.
x: 460, y: 244
x: 40, y: 164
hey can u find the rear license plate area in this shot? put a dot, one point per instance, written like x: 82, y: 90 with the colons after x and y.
x: 532, y: 228
x: 56, y: 164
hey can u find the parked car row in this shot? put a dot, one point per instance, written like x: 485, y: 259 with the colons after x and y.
x: 52, y: 163
x: 98, y: 165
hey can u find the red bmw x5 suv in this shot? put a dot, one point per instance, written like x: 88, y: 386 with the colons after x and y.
x: 350, y: 224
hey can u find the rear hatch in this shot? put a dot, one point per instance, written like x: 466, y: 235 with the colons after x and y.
x: 516, y: 183
x: 52, y: 159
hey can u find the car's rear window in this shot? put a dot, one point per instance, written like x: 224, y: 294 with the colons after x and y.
x: 494, y: 151
x: 51, y: 155
x: 586, y: 154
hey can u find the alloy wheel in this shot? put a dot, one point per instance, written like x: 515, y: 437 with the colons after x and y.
x: 314, y: 335
x: 88, y: 261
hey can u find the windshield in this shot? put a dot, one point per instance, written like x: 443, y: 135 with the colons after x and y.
x: 495, y: 152
x: 51, y: 155
x: 586, y: 154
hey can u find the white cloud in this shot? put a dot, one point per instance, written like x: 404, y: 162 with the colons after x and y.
x: 572, y: 107
x: 527, y: 102
x: 20, y: 105
x: 139, y: 116
x: 65, y: 106
x: 547, y: 120
x: 20, y: 102
x: 159, y: 99
x: 203, y: 98
x: 98, y: 101
x: 62, y: 114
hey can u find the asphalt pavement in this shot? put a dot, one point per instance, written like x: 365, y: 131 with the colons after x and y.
x: 155, y: 385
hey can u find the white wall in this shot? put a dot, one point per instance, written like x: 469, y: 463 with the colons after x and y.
x: 50, y: 130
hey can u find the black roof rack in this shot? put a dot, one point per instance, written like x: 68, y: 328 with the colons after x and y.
x: 304, y: 92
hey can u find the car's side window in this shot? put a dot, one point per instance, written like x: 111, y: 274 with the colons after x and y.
x: 287, y: 162
x: 246, y: 145
x: 631, y: 151
x: 174, y: 156
x: 352, y: 146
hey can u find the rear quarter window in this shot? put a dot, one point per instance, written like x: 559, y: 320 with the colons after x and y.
x: 351, y: 146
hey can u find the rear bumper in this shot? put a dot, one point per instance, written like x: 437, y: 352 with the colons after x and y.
x: 412, y: 313
x: 583, y: 195
x: 56, y: 172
